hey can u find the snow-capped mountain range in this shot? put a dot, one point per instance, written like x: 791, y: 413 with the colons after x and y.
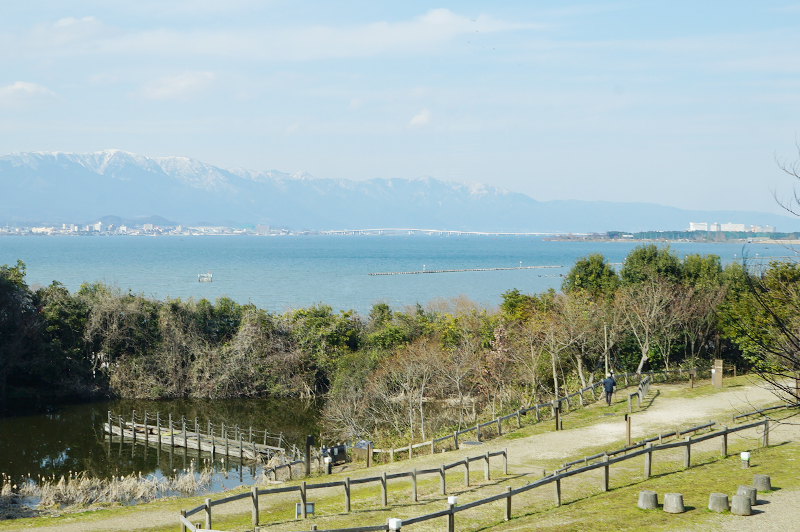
x: 71, y: 187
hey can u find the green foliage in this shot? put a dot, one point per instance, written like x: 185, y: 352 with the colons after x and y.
x: 592, y: 274
x: 649, y: 262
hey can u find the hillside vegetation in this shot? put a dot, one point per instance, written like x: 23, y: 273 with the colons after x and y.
x: 396, y: 373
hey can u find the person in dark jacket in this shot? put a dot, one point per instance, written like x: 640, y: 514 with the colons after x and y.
x: 608, y: 386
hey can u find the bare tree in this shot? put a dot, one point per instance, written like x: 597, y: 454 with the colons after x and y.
x: 645, y: 307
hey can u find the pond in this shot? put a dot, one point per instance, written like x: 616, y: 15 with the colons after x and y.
x: 61, y: 439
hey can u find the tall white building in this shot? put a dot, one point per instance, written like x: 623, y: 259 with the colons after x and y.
x: 698, y: 226
x: 733, y: 227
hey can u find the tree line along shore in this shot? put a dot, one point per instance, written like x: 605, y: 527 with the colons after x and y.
x: 396, y: 374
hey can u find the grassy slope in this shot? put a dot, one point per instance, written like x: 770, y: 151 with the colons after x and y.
x: 584, y: 507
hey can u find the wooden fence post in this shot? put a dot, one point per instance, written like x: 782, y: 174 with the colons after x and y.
x: 466, y: 471
x: 687, y: 453
x: 185, y: 440
x: 241, y: 451
x: 384, y: 494
x: 723, y: 450
x: 537, y: 413
x: 183, y: 525
x: 451, y: 518
x: 254, y: 495
x: 414, y: 484
x: 478, y: 432
x: 648, y: 461
x: 433, y: 449
x: 486, y: 467
x: 391, y: 454
x: 508, y: 504
x: 556, y: 415
x: 442, y: 481
x: 519, y: 420
x: 171, y: 432
x: 347, y: 495
x: 208, y: 514
x: 628, y: 429
x: 303, y: 499
x: 455, y: 440
x: 499, y: 428
x: 369, y: 453
x: 505, y: 460
x: 605, y: 473
x: 133, y: 427
x: 557, y: 492
x: 766, y: 433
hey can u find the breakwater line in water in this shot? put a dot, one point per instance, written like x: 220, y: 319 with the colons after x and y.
x: 466, y: 270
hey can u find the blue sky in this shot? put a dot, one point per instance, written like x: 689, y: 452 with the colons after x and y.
x: 679, y: 103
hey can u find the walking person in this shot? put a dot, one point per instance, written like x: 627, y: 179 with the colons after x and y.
x: 608, y: 386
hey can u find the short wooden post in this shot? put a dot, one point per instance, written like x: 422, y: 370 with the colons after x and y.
x: 581, y: 396
x: 466, y: 471
x: 478, y: 432
x: 433, y: 449
x: 442, y: 481
x: 629, y: 404
x: 604, y: 484
x: 723, y: 449
x: 347, y: 495
x: 451, y: 518
x: 183, y: 525
x: 557, y: 414
x: 369, y: 454
x: 499, y: 427
x: 519, y: 420
x: 626, y: 379
x: 208, y: 514
x: 158, y: 428
x: 303, y: 499
x: 185, y: 440
x: 557, y: 493
x: 391, y: 454
x: 537, y: 413
x: 508, y: 504
x: 486, y: 466
x: 251, y: 436
x: 628, y: 429
x: 265, y: 436
x: 687, y: 453
x: 505, y: 460
x: 133, y: 426
x: 648, y: 461
x: 110, y: 431
x: 410, y: 450
x: 197, y: 430
x: 384, y: 494
x: 455, y: 440
x: 171, y: 432
x: 254, y: 496
x: 414, y: 484
x: 766, y: 433
x: 241, y: 450
x: 225, y: 437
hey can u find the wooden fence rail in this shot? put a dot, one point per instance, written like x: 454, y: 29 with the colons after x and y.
x: 556, y: 479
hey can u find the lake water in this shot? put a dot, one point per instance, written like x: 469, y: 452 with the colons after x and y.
x: 279, y: 273
x: 275, y: 273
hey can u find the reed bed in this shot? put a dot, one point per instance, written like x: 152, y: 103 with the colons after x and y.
x: 81, y: 490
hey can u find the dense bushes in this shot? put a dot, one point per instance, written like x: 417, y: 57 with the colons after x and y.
x: 396, y: 373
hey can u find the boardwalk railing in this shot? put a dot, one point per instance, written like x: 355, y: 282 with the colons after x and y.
x: 771, y: 408
x: 556, y: 478
x: 227, y: 440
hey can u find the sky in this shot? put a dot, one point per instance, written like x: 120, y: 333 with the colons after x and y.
x: 689, y: 104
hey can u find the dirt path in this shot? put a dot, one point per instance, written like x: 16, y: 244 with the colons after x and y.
x: 529, y: 454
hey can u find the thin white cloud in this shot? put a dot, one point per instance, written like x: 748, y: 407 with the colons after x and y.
x: 23, y: 92
x: 183, y: 85
x: 70, y: 37
x: 421, y: 119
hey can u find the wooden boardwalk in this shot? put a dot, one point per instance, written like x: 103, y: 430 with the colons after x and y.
x: 215, y: 441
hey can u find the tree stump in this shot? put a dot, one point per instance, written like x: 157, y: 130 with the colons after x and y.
x: 673, y: 503
x: 762, y: 483
x: 740, y: 505
x: 750, y: 491
x: 718, y: 502
x: 648, y: 500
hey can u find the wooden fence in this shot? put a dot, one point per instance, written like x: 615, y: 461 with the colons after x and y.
x: 346, y: 484
x: 551, y: 410
x: 604, y: 463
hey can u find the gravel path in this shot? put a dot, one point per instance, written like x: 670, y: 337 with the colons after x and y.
x: 665, y: 414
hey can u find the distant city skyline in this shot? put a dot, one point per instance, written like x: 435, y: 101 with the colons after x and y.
x: 679, y: 103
